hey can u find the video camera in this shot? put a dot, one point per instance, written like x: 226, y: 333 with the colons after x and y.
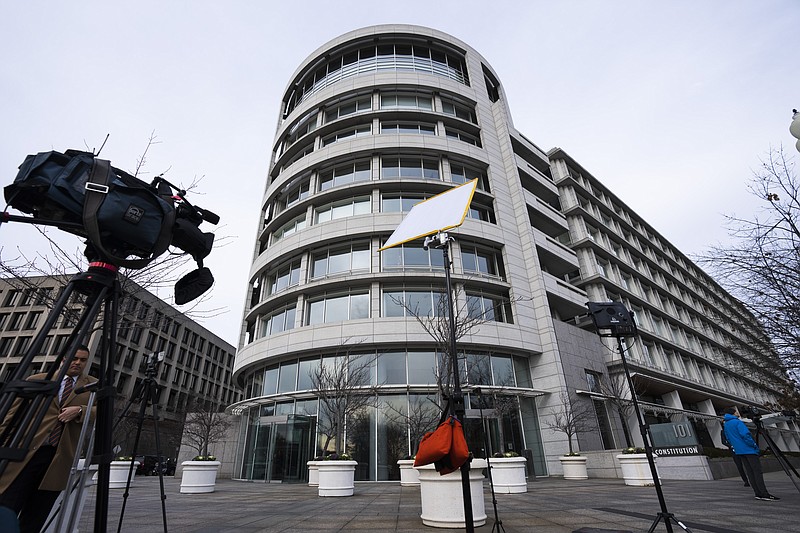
x: 752, y: 412
x: 126, y: 221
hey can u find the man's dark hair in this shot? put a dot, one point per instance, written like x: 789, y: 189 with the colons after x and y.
x: 729, y: 411
x: 82, y: 348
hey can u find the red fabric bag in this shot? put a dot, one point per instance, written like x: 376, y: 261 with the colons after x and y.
x: 435, y: 445
x: 445, y: 447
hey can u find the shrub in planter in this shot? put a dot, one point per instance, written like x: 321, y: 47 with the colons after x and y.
x: 336, y: 475
x: 508, y: 473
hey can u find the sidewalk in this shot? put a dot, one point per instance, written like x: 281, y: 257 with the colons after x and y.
x: 550, y: 506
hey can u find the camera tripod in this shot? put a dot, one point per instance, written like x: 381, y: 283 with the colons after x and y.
x: 146, y: 393
x: 28, y: 400
x: 785, y: 464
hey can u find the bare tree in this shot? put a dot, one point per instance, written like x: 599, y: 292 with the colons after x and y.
x: 205, y: 425
x: 345, y: 387
x: 615, y: 389
x: 420, y: 417
x: 571, y: 418
x: 762, y: 268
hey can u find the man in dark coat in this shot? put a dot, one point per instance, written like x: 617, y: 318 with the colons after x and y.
x: 31, y: 486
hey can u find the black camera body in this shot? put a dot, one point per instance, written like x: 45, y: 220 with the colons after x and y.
x: 126, y: 221
x: 752, y: 412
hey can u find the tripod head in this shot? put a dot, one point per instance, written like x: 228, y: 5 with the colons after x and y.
x: 153, y: 360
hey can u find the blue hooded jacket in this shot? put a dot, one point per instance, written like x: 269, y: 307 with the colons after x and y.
x: 739, y: 436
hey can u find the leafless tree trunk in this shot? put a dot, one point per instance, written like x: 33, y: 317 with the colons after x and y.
x: 345, y: 387
x: 571, y: 418
x: 205, y: 425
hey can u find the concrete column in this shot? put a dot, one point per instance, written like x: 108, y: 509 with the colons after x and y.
x: 714, y: 427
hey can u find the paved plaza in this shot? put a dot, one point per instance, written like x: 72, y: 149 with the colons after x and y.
x: 551, y: 505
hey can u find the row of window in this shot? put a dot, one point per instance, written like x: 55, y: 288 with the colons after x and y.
x: 356, y: 258
x: 404, y: 367
x: 362, y: 205
x: 361, y: 170
x: 399, y: 128
x: 395, y: 302
x: 27, y: 297
x: 425, y: 102
x: 428, y: 59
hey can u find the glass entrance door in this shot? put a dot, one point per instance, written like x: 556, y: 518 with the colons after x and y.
x: 280, y: 447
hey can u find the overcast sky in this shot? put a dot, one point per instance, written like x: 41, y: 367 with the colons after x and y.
x: 670, y: 104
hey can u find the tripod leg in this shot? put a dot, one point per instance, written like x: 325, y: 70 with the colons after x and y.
x: 139, y: 422
x: 153, y: 401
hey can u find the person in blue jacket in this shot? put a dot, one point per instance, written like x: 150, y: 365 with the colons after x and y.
x: 745, y: 447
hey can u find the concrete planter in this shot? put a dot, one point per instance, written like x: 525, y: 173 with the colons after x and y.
x: 199, y: 476
x: 508, y: 474
x: 574, y: 466
x: 313, y: 473
x: 442, y: 497
x: 409, y: 476
x: 636, y: 469
x: 336, y: 478
x: 118, y: 474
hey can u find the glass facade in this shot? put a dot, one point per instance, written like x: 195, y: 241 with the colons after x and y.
x: 283, y: 431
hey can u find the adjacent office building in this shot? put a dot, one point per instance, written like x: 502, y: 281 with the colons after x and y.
x: 382, y: 118
x: 197, y: 365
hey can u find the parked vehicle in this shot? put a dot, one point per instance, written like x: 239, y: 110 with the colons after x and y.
x: 149, y: 465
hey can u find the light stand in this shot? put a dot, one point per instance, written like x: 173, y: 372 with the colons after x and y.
x: 442, y: 241
x: 612, y: 319
x: 498, y: 524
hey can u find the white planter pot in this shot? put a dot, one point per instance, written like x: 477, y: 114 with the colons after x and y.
x: 336, y: 478
x: 443, y: 500
x: 313, y: 473
x: 636, y: 469
x: 199, y: 476
x: 118, y: 474
x: 409, y: 477
x: 508, y: 474
x: 574, y: 466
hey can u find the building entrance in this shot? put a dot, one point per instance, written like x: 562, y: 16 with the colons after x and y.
x: 278, y: 448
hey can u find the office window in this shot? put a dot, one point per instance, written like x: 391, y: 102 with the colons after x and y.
x: 344, y: 174
x: 409, y: 167
x: 278, y: 322
x: 411, y: 302
x: 289, y: 228
x: 337, y: 308
x: 400, y: 202
x: 412, y: 256
x: 406, y: 101
x: 402, y: 128
x: 461, y: 173
x: 459, y: 110
x: 482, y: 261
x: 491, y: 308
x: 287, y: 275
x: 481, y: 212
x: 593, y: 381
x: 360, y: 205
x: 340, y: 260
x: 347, y: 133
x: 350, y: 107
x: 463, y: 136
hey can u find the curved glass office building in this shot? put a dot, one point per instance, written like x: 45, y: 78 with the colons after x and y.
x: 372, y: 123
